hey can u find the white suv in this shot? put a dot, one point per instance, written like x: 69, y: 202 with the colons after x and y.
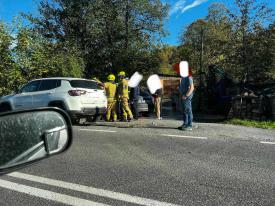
x: 78, y: 97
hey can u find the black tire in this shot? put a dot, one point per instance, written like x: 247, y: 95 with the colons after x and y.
x: 94, y: 118
x: 5, y: 107
x: 90, y: 118
x: 75, y: 121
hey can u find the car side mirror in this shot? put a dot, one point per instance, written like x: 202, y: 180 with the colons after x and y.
x: 30, y: 136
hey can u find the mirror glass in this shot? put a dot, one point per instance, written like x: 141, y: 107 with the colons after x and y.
x: 29, y: 136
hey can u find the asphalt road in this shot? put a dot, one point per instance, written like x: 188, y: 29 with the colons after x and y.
x: 212, y: 165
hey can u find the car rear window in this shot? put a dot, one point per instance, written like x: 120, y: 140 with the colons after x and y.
x: 84, y: 84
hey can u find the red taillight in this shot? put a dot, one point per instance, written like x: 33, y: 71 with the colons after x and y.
x: 76, y: 92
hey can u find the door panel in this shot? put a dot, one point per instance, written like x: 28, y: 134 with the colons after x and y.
x: 42, y: 97
x: 24, y: 99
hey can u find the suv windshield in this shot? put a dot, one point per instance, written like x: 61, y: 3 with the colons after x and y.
x: 84, y: 84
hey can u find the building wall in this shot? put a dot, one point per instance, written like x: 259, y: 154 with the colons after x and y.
x: 170, y: 86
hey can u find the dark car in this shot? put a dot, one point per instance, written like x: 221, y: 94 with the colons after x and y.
x: 145, y: 103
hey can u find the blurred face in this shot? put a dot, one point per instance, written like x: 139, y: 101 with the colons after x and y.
x: 184, y: 69
x: 154, y: 83
x: 135, y: 80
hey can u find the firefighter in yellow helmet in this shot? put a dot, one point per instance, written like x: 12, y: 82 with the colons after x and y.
x: 123, y: 94
x: 111, y: 89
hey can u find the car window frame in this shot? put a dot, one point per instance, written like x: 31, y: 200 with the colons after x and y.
x: 21, y: 90
x: 56, y: 84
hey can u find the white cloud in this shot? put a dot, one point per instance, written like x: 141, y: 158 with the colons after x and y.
x: 180, y: 6
x: 177, y: 7
x: 194, y: 4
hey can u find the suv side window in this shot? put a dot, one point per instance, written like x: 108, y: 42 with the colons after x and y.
x: 49, y: 84
x: 31, y: 87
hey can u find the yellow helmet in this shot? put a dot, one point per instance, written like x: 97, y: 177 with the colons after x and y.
x: 111, y: 77
x: 122, y: 73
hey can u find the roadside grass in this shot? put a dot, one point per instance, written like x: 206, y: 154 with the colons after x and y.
x: 252, y: 123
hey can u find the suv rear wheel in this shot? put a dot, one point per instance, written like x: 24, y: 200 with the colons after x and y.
x: 94, y: 118
x: 61, y: 105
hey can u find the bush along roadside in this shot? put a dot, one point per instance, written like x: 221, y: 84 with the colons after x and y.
x: 252, y: 123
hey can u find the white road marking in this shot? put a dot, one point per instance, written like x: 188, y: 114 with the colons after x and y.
x: 66, y: 199
x: 183, y: 136
x: 98, y: 130
x: 91, y: 190
x: 267, y: 142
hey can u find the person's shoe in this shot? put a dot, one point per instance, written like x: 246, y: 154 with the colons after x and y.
x: 188, y: 128
x: 182, y: 127
x: 160, y: 118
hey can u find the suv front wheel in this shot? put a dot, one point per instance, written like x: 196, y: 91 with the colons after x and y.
x: 5, y: 107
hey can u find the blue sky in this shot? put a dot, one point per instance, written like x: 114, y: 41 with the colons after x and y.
x: 182, y: 13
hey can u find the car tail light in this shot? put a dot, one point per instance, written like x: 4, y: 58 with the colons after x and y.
x: 76, y: 92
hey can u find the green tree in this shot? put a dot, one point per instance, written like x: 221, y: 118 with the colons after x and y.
x: 112, y: 35
x: 237, y: 42
x: 249, y: 19
x: 10, y: 75
x: 194, y: 40
x: 39, y: 57
x: 167, y: 59
x: 261, y: 53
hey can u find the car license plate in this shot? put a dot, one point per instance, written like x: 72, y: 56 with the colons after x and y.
x: 93, y: 95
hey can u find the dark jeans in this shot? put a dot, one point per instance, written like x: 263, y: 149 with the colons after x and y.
x: 187, y: 111
x: 134, y: 108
